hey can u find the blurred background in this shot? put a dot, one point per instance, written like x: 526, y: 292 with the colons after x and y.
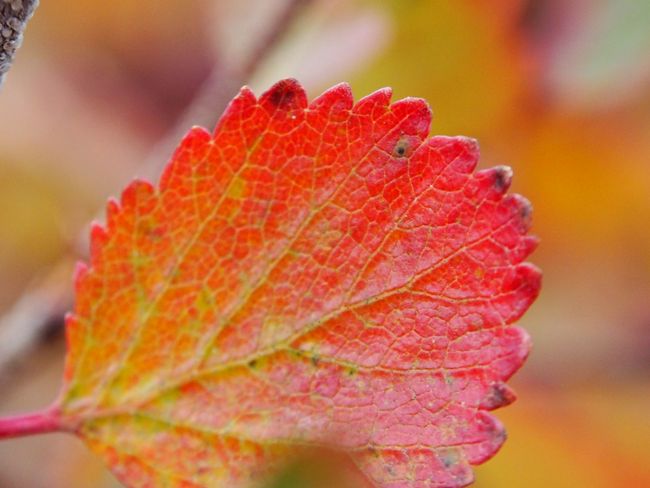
x: 558, y: 89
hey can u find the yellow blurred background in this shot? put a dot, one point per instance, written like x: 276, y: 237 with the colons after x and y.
x: 558, y: 89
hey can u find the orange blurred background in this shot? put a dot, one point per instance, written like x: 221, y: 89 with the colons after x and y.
x: 558, y: 89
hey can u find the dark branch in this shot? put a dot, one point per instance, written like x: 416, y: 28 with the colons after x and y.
x: 14, y: 15
x: 220, y: 87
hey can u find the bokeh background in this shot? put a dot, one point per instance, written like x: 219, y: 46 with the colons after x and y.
x: 558, y: 89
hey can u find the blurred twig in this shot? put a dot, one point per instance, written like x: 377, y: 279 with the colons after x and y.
x: 38, y: 308
x: 220, y: 87
x: 38, y: 311
x: 14, y: 15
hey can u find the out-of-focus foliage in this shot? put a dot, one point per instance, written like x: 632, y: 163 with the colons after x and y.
x: 558, y: 89
x: 464, y: 57
x: 589, y: 436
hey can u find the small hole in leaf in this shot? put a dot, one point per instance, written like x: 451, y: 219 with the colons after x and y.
x: 401, y: 147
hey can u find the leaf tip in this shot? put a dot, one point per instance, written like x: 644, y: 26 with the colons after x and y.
x: 529, y: 279
x: 285, y: 95
x: 112, y: 211
x: 339, y: 97
x: 501, y: 178
x: 470, y: 145
x: 245, y: 92
x: 494, y: 434
x: 98, y: 237
x: 524, y: 211
x: 499, y: 395
x: 80, y: 271
x: 379, y: 98
x: 135, y: 192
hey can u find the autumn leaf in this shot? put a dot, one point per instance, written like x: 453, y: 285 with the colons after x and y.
x: 319, y: 274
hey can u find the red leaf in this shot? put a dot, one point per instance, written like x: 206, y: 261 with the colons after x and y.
x: 309, y: 274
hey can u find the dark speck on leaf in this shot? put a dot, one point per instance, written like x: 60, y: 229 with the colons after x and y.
x: 252, y: 363
x: 449, y: 458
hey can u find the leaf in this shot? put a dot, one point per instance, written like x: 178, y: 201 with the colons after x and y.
x: 308, y: 275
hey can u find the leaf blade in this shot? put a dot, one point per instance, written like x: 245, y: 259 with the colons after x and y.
x: 309, y: 274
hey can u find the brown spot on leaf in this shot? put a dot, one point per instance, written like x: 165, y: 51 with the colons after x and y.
x: 502, y: 178
x: 526, y: 211
x: 285, y: 95
x: 499, y: 396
